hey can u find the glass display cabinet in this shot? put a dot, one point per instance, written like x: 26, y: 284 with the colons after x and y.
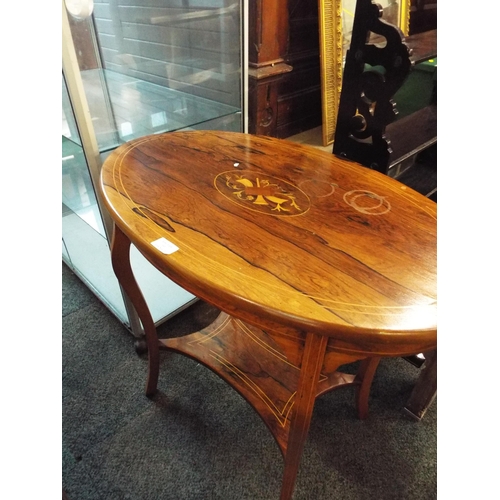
x: 132, y: 68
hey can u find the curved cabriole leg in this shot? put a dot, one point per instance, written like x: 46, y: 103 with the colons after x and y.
x: 312, y: 361
x: 120, y: 258
x: 365, y: 376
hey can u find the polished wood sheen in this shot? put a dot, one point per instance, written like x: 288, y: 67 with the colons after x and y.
x: 423, y: 46
x: 316, y: 262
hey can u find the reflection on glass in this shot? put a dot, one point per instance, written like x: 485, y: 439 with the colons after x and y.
x: 78, y: 196
x: 162, y: 65
x: 85, y: 248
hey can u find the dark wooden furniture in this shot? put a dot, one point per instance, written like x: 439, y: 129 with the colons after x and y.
x: 284, y: 67
x: 423, y: 46
x: 367, y: 130
x: 314, y: 262
x: 425, y: 389
x: 286, y: 98
x: 423, y: 16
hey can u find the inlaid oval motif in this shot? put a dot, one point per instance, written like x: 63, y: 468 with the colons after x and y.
x: 262, y: 193
x: 367, y: 202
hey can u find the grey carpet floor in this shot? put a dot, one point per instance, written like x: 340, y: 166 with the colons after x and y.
x: 198, y: 439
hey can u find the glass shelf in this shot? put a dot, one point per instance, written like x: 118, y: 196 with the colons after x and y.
x: 125, y: 108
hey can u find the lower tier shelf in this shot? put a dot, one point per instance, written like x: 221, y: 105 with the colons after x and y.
x: 263, y: 367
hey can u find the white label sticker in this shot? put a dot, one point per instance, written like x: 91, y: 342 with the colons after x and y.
x: 165, y: 246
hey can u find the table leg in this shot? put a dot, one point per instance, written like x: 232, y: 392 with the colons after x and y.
x: 425, y: 389
x: 365, y: 376
x: 120, y: 258
x: 312, y: 361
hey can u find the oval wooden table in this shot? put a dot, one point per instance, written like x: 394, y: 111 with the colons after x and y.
x: 316, y: 262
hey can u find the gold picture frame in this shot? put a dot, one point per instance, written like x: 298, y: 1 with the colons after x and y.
x: 334, y: 16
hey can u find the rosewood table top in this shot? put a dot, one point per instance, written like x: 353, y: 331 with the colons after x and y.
x: 315, y: 262
x: 282, y: 232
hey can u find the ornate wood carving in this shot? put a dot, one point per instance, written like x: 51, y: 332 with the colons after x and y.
x: 373, y: 72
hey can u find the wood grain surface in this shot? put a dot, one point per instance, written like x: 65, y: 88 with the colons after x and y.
x: 282, y: 235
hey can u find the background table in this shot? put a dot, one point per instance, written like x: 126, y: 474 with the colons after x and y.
x: 315, y: 262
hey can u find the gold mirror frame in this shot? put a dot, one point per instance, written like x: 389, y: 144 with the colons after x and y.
x: 331, y: 49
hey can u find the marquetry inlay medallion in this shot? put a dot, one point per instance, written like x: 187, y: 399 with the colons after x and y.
x: 262, y: 193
